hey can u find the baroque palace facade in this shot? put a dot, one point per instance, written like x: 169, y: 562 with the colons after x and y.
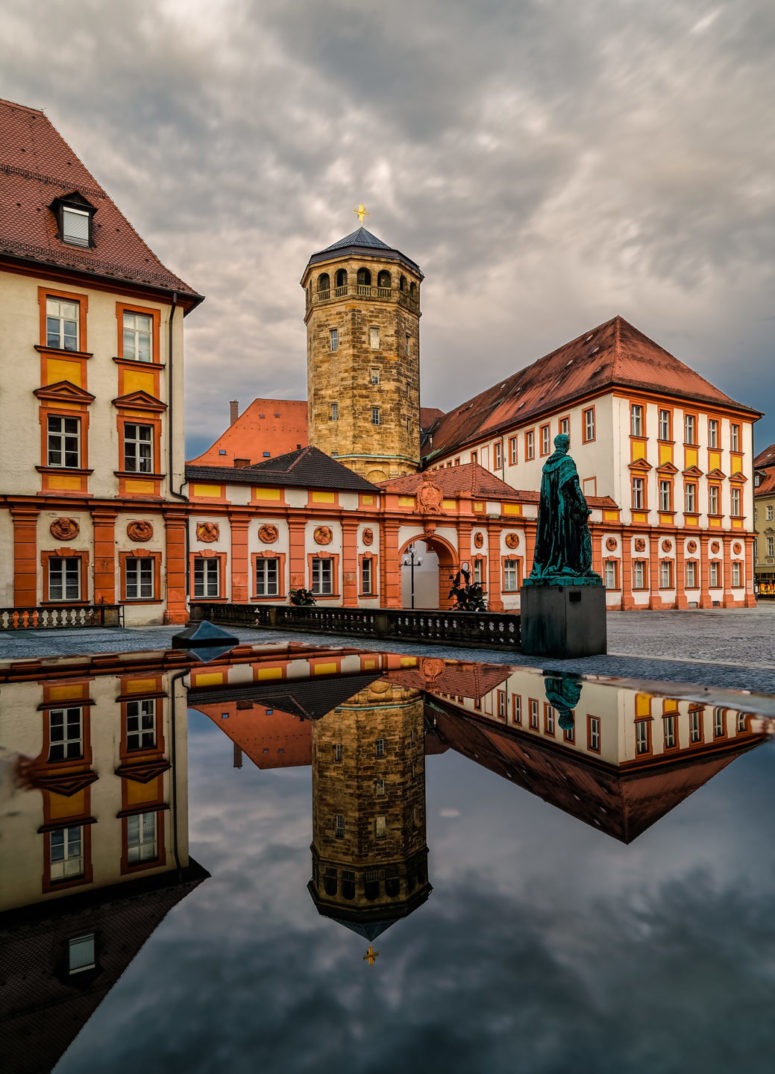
x: 370, y: 500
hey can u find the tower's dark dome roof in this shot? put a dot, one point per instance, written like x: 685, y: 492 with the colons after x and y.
x: 363, y: 242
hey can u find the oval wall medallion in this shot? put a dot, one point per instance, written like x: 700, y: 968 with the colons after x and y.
x: 715, y: 546
x: 323, y: 535
x: 611, y: 544
x: 478, y: 540
x: 207, y: 532
x: 691, y: 546
x: 512, y: 540
x: 737, y: 548
x: 64, y: 529
x: 367, y: 537
x: 640, y: 544
x: 667, y: 546
x: 267, y: 533
x: 139, y: 531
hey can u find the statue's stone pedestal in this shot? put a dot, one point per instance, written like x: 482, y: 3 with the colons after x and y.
x: 563, y: 620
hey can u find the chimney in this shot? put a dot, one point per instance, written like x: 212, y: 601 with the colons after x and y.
x: 241, y: 463
x: 233, y: 411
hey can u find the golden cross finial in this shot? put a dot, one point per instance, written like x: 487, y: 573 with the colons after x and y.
x: 360, y: 212
x: 371, y: 955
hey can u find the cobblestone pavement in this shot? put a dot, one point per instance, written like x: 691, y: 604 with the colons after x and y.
x: 714, y: 650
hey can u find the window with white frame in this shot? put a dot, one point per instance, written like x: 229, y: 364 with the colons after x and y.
x: 375, y: 416
x: 516, y: 708
x: 267, y: 576
x: 139, y: 578
x: 719, y: 722
x: 594, y: 733
x: 334, y: 413
x: 771, y: 546
x: 668, y: 723
x: 374, y: 338
x: 690, y: 429
x: 373, y: 376
x: 62, y: 321
x: 638, y: 574
x: 589, y: 424
x: 407, y: 344
x: 691, y: 574
x: 75, y: 226
x: 338, y: 752
x: 714, y: 574
x: 510, y: 575
x: 513, y: 450
x: 530, y: 445
x: 367, y: 575
x: 138, y: 336
x: 611, y: 574
x: 636, y: 419
x: 65, y: 734
x: 545, y: 433
x: 322, y: 577
x: 380, y: 826
x: 565, y: 426
x: 734, y: 437
x: 63, y: 441
x: 742, y: 721
x: 502, y: 704
x: 666, y: 574
x: 498, y: 449
x: 81, y: 953
x: 66, y: 858
x: 533, y: 714
x: 141, y: 724
x: 737, y: 501
x: 207, y: 577
x: 549, y: 719
x: 664, y: 425
x: 138, y: 448
x: 642, y: 736
x: 769, y: 512
x: 64, y: 578
x: 141, y: 838
x: 713, y: 499
x: 737, y: 574
x: 379, y: 747
x: 333, y: 339
x: 665, y: 495
x: 695, y: 726
x: 690, y: 497
x: 713, y: 433
x: 638, y: 493
x: 479, y: 570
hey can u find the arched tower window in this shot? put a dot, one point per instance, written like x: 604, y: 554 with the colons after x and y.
x: 341, y: 277
x: 364, y: 277
x: 402, y: 284
x: 383, y: 279
x: 413, y: 292
x: 324, y: 282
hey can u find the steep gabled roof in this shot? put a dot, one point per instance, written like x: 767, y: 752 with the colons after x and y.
x: 275, y: 425
x: 37, y: 167
x: 614, y: 354
x: 363, y: 242
x: 309, y: 467
x: 765, y: 458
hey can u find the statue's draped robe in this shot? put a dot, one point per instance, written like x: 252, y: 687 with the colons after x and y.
x: 563, y: 544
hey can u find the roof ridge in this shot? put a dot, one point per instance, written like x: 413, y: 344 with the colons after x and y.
x: 22, y: 107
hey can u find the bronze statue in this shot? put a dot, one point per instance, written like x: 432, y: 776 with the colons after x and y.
x: 563, y: 551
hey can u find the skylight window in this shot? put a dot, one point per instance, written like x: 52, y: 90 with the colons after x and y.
x: 75, y: 226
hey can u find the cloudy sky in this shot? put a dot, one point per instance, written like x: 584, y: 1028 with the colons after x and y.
x: 548, y: 163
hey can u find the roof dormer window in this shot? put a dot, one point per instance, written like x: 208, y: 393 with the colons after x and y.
x: 74, y: 218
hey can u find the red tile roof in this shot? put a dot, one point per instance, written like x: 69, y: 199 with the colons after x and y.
x: 276, y: 426
x: 613, y: 354
x: 37, y: 166
x: 767, y: 486
x: 765, y: 458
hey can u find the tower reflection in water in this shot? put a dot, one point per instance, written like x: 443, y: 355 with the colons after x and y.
x: 94, y: 795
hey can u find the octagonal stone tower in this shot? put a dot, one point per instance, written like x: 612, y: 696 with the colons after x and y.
x: 363, y: 355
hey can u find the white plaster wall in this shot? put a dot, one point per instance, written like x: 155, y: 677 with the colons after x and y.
x: 6, y: 559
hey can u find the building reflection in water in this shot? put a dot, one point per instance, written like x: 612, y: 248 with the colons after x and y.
x: 94, y: 798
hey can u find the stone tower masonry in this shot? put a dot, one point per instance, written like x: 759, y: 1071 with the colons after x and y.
x: 363, y: 355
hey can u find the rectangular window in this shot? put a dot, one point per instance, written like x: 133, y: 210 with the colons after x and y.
x: 565, y: 426
x: 734, y: 437
x: 695, y: 726
x: 611, y: 574
x: 334, y: 414
x: 510, y: 575
x: 380, y: 827
x: 373, y: 376
x: 533, y: 714
x: 138, y: 336
x: 638, y: 498
x: 502, y: 704
x: 333, y: 339
x: 690, y: 429
x: 141, y: 838
x: 593, y: 733
x: 374, y: 338
x: 141, y: 724
x: 62, y: 318
x: 375, y: 420
x: 474, y: 457
x: 719, y: 723
x: 690, y: 497
x: 379, y: 748
x: 516, y: 709
x: 769, y: 512
x: 638, y: 574
x: 737, y: 574
x: 666, y: 574
x: 665, y: 425
x: 479, y: 570
x: 64, y: 578
x: 322, y: 577
x: 367, y: 575
x: 714, y: 580
x: 65, y: 734
x: 530, y: 452
x: 81, y: 953
x: 642, y: 736
x: 513, y: 450
x: 713, y: 499
x: 665, y: 495
x: 407, y: 344
x: 338, y: 752
x: 636, y: 420
x: 712, y: 433
x: 736, y: 502
x: 66, y: 853
x: 545, y: 433
x: 742, y: 722
x: 63, y: 441
x: 589, y: 424
x: 498, y: 449
x: 339, y: 826
x: 669, y: 730
x: 138, y: 448
x: 267, y: 577
x: 75, y: 226
x: 548, y: 719
x: 771, y: 546
x: 691, y: 574
x: 140, y: 578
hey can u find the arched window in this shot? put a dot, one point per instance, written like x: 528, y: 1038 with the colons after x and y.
x: 364, y: 277
x: 371, y: 890
x: 402, y: 284
x: 413, y: 291
x: 324, y: 282
x: 341, y: 277
x: 329, y: 881
x: 383, y: 279
x: 393, y: 887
